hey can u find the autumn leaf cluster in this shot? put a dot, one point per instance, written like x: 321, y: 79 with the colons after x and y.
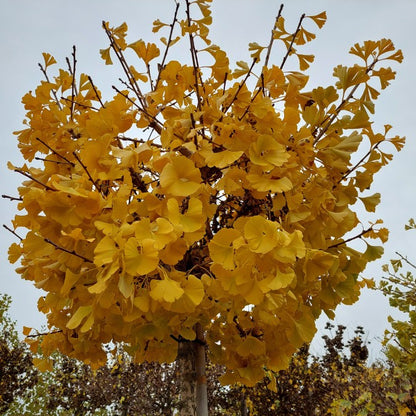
x: 200, y: 194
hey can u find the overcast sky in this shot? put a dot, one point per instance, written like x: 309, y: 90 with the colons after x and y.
x: 29, y: 28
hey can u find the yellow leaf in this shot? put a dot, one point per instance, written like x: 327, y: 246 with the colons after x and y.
x: 157, y: 25
x: 319, y: 19
x: 251, y: 374
x: 26, y: 330
x: 222, y: 247
x: 15, y: 251
x: 103, y: 277
x: 370, y: 202
x: 105, y: 54
x: 261, y: 234
x: 188, y: 333
x: 141, y: 257
x: 78, y: 316
x: 256, y: 50
x: 244, y: 68
x: 142, y: 301
x: 194, y: 290
x: 305, y: 61
x: 305, y: 327
x: 278, y: 281
x: 192, y: 220
x: 272, y: 386
x: 267, y: 152
x: 88, y: 324
x: 173, y: 252
x: 219, y: 159
x: 373, y: 252
x: 180, y: 177
x: 166, y: 289
x: 145, y: 51
x: 317, y: 263
x: 48, y: 59
x: 126, y: 285
x: 43, y: 364
x: 105, y: 251
x: 70, y: 281
x: 266, y: 182
x: 360, y: 120
x: 251, y: 346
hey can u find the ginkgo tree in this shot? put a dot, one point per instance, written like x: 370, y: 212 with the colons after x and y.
x: 202, y: 204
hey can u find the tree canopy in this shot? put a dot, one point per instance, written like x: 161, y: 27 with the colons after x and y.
x: 200, y: 194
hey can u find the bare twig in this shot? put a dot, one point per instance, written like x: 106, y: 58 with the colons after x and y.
x: 87, y: 172
x: 162, y: 63
x: 95, y: 91
x: 34, y: 179
x: 55, y: 152
x: 352, y: 238
x: 269, y: 48
x: 155, y: 123
x: 41, y: 334
x: 13, y: 232
x: 251, y: 101
x: 79, y: 104
x: 117, y: 50
x: 330, y: 119
x: 194, y: 56
x: 53, y: 91
x: 240, y: 86
x: 406, y: 260
x: 72, y: 71
x: 12, y: 198
x: 73, y: 252
x: 289, y: 50
x: 357, y: 165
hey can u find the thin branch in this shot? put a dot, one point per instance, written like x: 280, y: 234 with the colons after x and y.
x: 269, y: 48
x: 73, y: 252
x: 117, y: 50
x: 330, y: 119
x: 352, y: 238
x: 162, y: 64
x: 53, y: 91
x: 406, y: 260
x: 41, y: 334
x: 149, y: 74
x: 12, y: 198
x: 240, y: 330
x: 401, y: 346
x: 194, y: 57
x: 289, y: 50
x: 72, y: 71
x: 79, y: 104
x: 48, y: 188
x: 87, y: 172
x: 251, y: 101
x: 240, y: 86
x: 155, y: 123
x: 51, y: 161
x: 13, y: 232
x: 357, y: 165
x: 95, y: 91
x: 55, y: 152
x: 139, y: 141
x: 224, y: 83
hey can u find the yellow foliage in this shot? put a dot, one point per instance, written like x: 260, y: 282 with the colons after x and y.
x: 232, y: 214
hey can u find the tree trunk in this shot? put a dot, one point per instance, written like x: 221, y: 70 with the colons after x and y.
x: 243, y: 406
x: 191, y: 376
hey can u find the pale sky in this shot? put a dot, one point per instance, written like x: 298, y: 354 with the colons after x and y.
x: 29, y: 28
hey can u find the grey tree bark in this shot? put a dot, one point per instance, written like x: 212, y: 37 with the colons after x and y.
x: 191, y: 366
